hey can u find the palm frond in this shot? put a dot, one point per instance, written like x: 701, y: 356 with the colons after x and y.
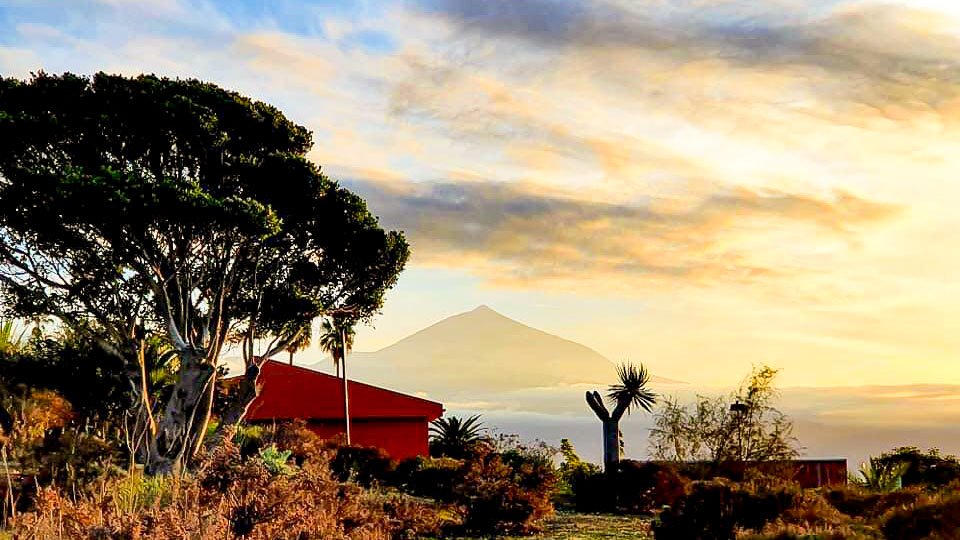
x: 454, y: 436
x: 631, y: 390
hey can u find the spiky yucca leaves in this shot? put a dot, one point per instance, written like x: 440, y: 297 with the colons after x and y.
x: 455, y: 437
x: 631, y: 391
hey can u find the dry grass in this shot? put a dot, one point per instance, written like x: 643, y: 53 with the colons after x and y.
x: 576, y: 526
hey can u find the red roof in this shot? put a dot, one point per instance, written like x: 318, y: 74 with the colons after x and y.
x: 291, y: 392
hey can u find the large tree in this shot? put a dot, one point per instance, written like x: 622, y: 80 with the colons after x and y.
x: 132, y: 208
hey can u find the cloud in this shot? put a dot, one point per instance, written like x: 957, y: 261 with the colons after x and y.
x: 521, y: 235
x: 850, y: 52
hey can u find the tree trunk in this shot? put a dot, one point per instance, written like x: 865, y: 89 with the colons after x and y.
x: 185, y: 414
x: 247, y: 393
x: 611, y: 445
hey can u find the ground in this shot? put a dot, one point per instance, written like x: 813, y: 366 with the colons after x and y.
x: 572, y: 526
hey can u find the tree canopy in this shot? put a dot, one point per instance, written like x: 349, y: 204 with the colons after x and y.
x: 147, y: 206
x: 744, y: 427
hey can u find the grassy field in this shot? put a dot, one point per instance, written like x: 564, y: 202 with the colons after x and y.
x: 570, y: 526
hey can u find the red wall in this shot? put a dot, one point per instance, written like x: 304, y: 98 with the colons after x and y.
x: 400, y: 438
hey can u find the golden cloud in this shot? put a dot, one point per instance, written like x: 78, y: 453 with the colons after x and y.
x: 516, y: 235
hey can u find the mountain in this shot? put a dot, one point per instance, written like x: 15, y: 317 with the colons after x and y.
x: 482, y: 355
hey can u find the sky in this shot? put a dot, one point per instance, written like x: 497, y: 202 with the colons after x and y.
x: 698, y: 185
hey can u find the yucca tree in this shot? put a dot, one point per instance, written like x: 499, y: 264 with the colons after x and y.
x: 630, y: 391
x: 455, y: 437
x: 332, y: 332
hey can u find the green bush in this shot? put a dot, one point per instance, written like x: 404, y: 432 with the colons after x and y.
x: 276, y: 461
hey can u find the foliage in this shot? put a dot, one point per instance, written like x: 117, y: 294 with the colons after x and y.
x: 302, y: 443
x: 142, y: 208
x: 711, y: 431
x: 433, y: 478
x: 716, y: 509
x: 498, y: 498
x: 251, y: 439
x: 573, y: 477
x: 647, y: 486
x: 363, y: 465
x: 497, y: 492
x: 880, y: 475
x: 228, y: 497
x: 455, y: 437
x: 332, y: 333
x: 137, y: 492
x: 935, y: 519
x: 928, y: 468
x: 631, y: 388
x: 275, y: 460
x: 858, y: 501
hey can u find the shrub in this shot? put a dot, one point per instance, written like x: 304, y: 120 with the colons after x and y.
x: 575, y: 486
x: 495, y: 493
x: 861, y: 502
x: 928, y: 468
x: 643, y: 487
x: 302, y: 443
x: 715, y: 509
x: 591, y: 491
x: 276, y: 461
x: 73, y: 459
x: 938, y: 519
x: 228, y: 497
x: 250, y: 440
x: 363, y: 465
x: 429, y: 477
x: 499, y: 498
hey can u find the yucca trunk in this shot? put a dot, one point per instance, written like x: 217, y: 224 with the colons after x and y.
x: 611, y: 445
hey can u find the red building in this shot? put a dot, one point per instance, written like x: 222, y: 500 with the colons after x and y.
x: 378, y: 417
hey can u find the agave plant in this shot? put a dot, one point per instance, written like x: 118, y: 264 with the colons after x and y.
x: 628, y: 393
x: 455, y: 437
x: 877, y: 475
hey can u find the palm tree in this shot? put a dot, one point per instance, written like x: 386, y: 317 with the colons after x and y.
x: 455, y: 437
x: 332, y: 334
x: 302, y: 340
x: 631, y: 391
